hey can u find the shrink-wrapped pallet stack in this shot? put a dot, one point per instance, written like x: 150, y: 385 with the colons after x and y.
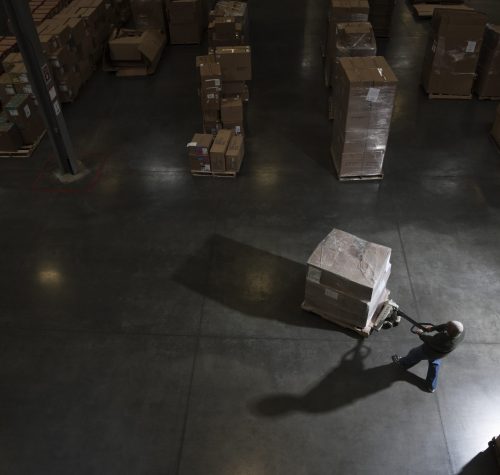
x: 364, y: 100
x: 346, y: 280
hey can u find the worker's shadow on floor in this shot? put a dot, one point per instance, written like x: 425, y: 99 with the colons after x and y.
x: 345, y: 384
x: 252, y: 282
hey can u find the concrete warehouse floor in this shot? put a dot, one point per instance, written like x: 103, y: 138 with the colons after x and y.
x: 151, y: 322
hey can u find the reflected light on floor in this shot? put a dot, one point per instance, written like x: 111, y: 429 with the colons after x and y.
x: 50, y: 277
x: 259, y: 284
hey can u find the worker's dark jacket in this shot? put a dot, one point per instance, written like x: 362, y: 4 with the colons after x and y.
x: 440, y: 344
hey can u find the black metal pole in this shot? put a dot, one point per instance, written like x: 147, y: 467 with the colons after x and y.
x: 42, y: 82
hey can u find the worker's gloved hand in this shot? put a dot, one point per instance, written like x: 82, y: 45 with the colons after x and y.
x: 428, y: 328
x: 419, y: 331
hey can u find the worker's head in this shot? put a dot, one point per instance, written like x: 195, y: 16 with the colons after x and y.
x: 454, y: 328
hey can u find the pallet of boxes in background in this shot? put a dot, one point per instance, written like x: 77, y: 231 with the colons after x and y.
x: 137, y: 51
x: 346, y: 281
x: 224, y: 73
x: 452, y: 54
x: 426, y: 10
x: 364, y: 101
x: 487, y: 83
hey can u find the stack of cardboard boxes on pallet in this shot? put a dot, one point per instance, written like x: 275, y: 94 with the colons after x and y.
x: 137, y: 51
x: 346, y: 280
x: 453, y: 52
x: 362, y: 94
x: 72, y: 39
x: 224, y: 73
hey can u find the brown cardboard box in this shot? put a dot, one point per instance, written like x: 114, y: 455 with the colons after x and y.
x: 10, y: 137
x: 495, y: 131
x: 349, y: 265
x: 218, y: 150
x: 236, y: 62
x: 11, y: 60
x: 139, y: 56
x: 453, y: 52
x: 19, y: 74
x: 7, y: 89
x: 208, y: 58
x: 148, y: 14
x: 199, y: 152
x: 211, y: 85
x: 488, y: 69
x: 235, y: 153
x: 211, y: 121
x: 232, y: 111
x: 352, y: 39
x: 23, y: 112
x: 23, y: 88
x: 364, y: 99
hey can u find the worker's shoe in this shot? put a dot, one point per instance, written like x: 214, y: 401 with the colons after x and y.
x: 397, y: 360
x: 430, y: 389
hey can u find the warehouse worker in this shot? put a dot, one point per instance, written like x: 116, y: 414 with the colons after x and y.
x: 435, y: 347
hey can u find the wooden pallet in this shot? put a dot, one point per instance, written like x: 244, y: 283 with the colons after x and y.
x: 364, y: 332
x: 215, y: 174
x: 24, y: 152
x: 361, y: 178
x: 449, y: 96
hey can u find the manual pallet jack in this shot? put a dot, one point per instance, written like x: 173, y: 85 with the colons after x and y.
x: 390, y: 316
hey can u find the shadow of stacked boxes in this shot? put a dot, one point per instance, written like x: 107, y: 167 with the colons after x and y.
x: 362, y: 87
x: 72, y: 35
x: 223, y: 72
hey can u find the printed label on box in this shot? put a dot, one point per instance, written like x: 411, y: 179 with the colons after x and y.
x: 27, y: 89
x: 27, y: 111
x: 204, y: 151
x: 372, y: 95
x: 471, y: 47
x: 206, y: 167
x: 192, y: 144
x: 237, y: 129
x: 13, y: 113
x: 10, y: 90
x: 314, y: 275
x: 331, y: 293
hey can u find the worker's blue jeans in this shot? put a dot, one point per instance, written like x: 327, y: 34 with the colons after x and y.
x: 416, y: 355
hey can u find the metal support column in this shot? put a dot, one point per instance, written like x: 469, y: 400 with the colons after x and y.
x: 42, y: 82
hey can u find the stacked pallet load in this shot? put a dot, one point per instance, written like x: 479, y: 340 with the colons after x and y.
x: 341, y: 11
x: 137, y: 51
x: 186, y: 22
x: 346, y: 281
x: 452, y: 54
x: 351, y: 39
x: 381, y: 17
x: 487, y: 84
x: 364, y: 101
x: 224, y: 73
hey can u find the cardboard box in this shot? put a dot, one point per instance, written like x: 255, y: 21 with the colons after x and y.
x: 349, y: 265
x: 364, y: 100
x: 351, y: 39
x: 7, y: 89
x: 148, y: 14
x: 487, y: 82
x: 12, y: 60
x: 211, y: 85
x: 232, y: 111
x: 199, y: 152
x: 208, y: 58
x: 218, y: 150
x: 23, y: 112
x: 140, y: 52
x: 236, y: 62
x: 235, y: 153
x: 10, y: 137
x: 453, y: 52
